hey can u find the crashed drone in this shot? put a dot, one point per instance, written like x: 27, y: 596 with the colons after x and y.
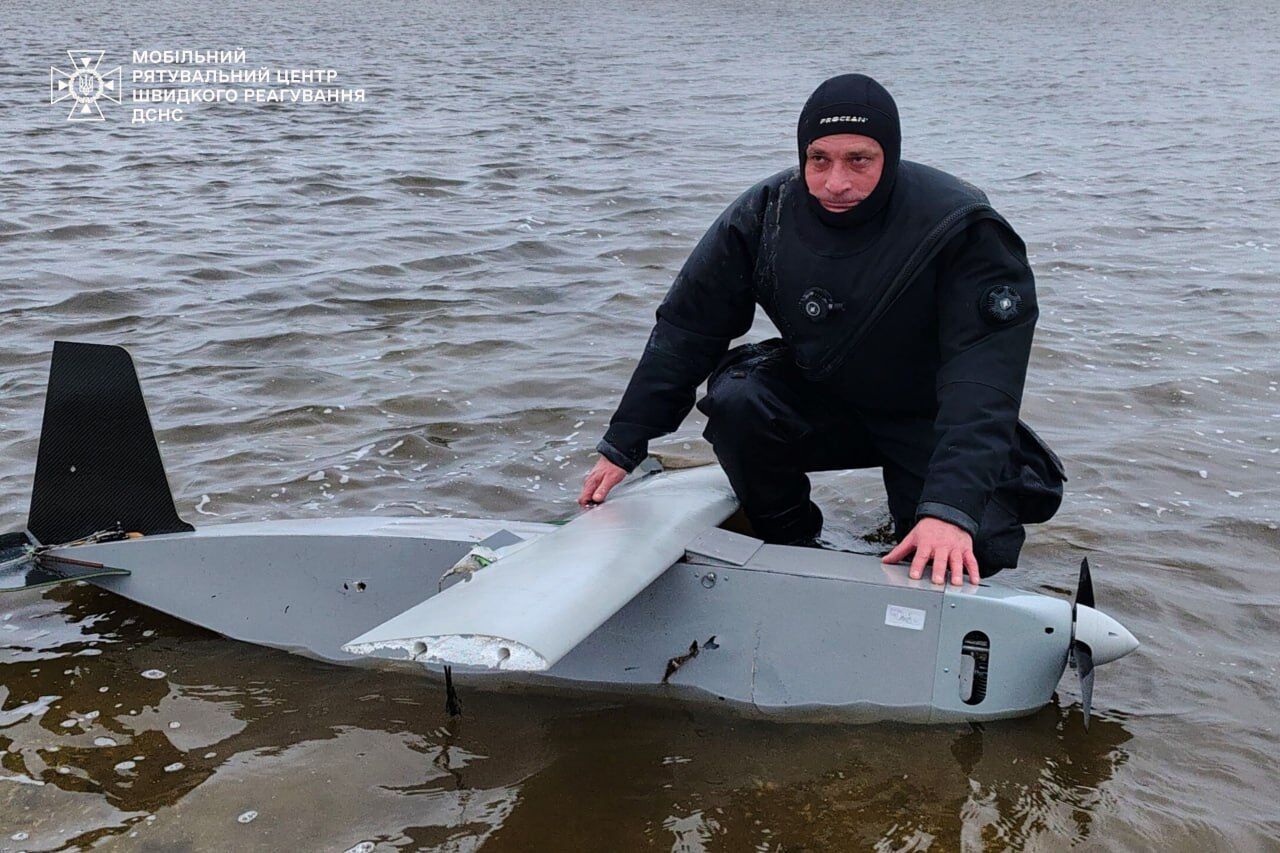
x: 645, y: 594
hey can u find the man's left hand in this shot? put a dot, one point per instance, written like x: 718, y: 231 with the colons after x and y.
x: 948, y: 545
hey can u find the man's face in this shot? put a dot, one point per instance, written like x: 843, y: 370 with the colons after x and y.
x: 843, y: 169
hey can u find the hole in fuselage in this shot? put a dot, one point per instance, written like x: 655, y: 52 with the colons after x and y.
x: 975, y: 654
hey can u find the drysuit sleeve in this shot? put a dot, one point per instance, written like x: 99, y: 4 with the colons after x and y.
x: 986, y: 303
x: 711, y: 302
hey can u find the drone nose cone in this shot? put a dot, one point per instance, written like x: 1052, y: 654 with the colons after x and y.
x: 1106, y: 638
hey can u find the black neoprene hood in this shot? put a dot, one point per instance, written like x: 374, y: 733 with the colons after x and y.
x: 852, y: 103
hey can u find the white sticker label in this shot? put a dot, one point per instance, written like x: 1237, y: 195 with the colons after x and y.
x: 904, y: 617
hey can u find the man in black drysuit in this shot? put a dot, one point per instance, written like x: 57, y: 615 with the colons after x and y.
x: 906, y: 307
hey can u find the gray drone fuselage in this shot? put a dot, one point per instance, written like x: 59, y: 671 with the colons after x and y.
x: 644, y: 594
x: 779, y: 631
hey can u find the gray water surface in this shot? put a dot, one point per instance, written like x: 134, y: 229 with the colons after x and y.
x: 429, y: 303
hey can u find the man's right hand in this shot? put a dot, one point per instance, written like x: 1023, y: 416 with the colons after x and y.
x: 599, y: 481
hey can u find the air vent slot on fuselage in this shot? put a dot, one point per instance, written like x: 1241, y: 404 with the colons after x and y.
x: 975, y: 654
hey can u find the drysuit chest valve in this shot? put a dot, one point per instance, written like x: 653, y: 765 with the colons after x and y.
x: 817, y: 304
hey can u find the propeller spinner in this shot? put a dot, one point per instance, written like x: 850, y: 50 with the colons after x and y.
x: 1096, y: 638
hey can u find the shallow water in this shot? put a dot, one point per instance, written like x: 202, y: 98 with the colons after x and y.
x: 436, y: 297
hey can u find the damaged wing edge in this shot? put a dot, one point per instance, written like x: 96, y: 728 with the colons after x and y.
x: 458, y: 649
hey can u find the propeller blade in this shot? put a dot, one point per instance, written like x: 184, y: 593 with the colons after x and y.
x: 1084, y: 668
x: 1084, y: 589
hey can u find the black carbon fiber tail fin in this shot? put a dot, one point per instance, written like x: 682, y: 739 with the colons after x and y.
x: 98, y: 466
